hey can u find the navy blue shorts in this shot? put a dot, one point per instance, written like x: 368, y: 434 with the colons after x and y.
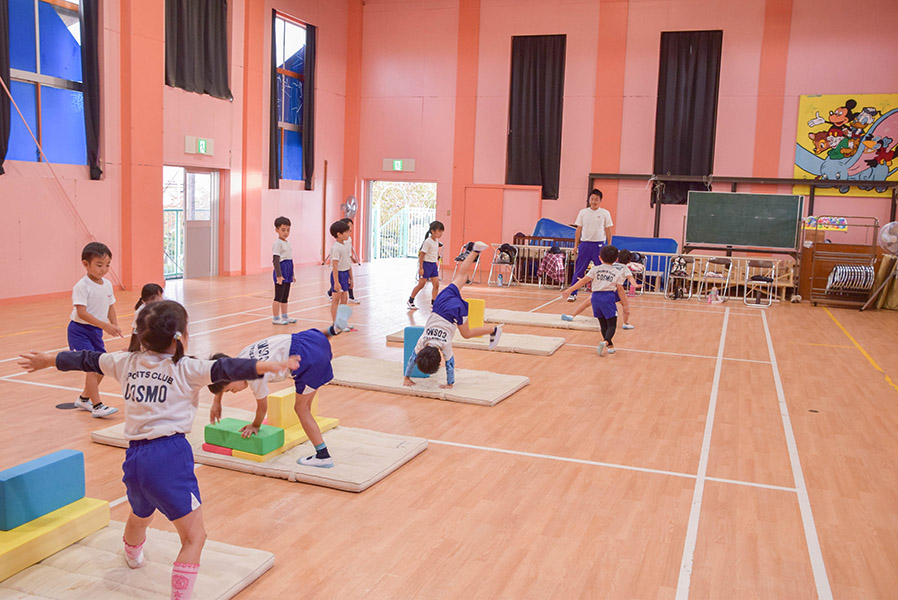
x: 450, y: 305
x: 603, y: 304
x: 431, y: 270
x: 159, y: 476
x: 343, y: 276
x: 586, y: 252
x: 286, y: 272
x: 315, y: 355
x: 85, y: 337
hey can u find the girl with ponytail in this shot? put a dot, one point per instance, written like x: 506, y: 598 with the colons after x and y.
x: 428, y: 269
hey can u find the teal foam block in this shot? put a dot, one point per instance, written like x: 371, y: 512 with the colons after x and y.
x: 409, y: 339
x: 226, y: 433
x: 40, y: 486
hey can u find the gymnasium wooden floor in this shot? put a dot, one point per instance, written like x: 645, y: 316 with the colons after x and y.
x: 723, y: 452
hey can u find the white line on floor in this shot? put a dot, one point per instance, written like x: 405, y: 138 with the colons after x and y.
x: 695, y: 512
x: 764, y: 362
x: 542, y: 305
x: 58, y: 387
x: 766, y: 486
x: 804, y: 502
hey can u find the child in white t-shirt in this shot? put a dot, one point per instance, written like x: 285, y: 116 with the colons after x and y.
x: 93, y: 314
x: 428, y: 268
x: 282, y: 259
x: 624, y: 258
x: 448, y: 315
x: 161, y: 389
x: 151, y: 292
x: 341, y: 263
x: 607, y: 288
x: 353, y: 258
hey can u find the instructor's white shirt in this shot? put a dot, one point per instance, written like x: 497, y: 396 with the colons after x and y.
x: 593, y: 223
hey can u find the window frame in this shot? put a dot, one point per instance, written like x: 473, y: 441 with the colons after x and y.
x: 39, y: 79
x: 283, y: 125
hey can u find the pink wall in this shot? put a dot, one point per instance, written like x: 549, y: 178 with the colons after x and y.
x: 408, y: 92
x: 35, y: 209
x: 303, y: 207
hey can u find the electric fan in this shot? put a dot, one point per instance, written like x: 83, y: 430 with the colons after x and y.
x: 888, y: 241
x: 350, y: 206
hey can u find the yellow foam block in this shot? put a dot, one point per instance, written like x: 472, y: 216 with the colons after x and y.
x: 34, y: 541
x: 280, y: 408
x: 476, y: 308
x: 293, y: 436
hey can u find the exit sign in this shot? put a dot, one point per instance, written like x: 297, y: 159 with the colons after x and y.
x: 201, y: 146
x: 399, y: 164
x: 198, y: 145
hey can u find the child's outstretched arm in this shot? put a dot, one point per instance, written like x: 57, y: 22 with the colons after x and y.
x: 83, y: 360
x: 576, y: 286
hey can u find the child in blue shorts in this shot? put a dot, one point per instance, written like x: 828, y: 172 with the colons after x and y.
x: 428, y: 268
x: 314, y: 370
x: 161, y: 389
x: 282, y: 261
x: 449, y: 312
x: 93, y: 314
x: 341, y: 266
x: 607, y: 288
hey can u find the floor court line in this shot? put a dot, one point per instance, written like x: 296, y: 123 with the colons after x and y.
x: 861, y: 349
x: 763, y: 362
x: 824, y: 592
x: 695, y: 511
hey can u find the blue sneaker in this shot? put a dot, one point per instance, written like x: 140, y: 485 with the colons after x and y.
x: 567, y: 318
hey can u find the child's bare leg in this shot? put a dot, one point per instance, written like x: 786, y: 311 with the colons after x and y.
x: 92, y: 387
x: 136, y: 529
x: 464, y: 269
x: 418, y: 287
x: 303, y: 408
x: 335, y: 302
x: 583, y: 306
x: 435, y: 282
x: 193, y: 536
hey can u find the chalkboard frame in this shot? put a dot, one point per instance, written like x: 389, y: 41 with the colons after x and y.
x: 688, y: 242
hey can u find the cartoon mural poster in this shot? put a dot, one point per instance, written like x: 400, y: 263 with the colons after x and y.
x: 850, y: 137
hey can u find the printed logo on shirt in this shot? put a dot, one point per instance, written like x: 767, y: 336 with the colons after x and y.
x: 436, y: 333
x: 147, y: 392
x: 260, y: 351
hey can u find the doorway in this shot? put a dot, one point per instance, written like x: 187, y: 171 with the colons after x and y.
x: 400, y: 214
x: 190, y: 222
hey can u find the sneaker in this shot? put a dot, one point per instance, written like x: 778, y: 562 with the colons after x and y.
x: 611, y: 350
x: 411, y: 305
x: 342, y: 320
x: 464, y: 254
x: 567, y: 318
x: 572, y: 298
x: 627, y: 326
x: 354, y: 301
x: 329, y: 295
x: 314, y: 461
x: 480, y: 246
x: 494, y: 337
x: 137, y: 562
x: 101, y: 410
x: 287, y: 320
x: 278, y: 321
x: 602, y: 347
x: 83, y: 403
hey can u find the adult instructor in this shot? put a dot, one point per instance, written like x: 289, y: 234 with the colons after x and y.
x: 594, y: 230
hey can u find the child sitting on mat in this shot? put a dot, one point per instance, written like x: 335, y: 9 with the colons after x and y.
x: 449, y: 312
x: 161, y: 388
x: 607, y: 287
x: 314, y: 370
x: 624, y: 258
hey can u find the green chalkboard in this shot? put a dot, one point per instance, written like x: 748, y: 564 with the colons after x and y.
x: 747, y: 220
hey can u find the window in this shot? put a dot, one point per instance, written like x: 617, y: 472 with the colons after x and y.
x: 290, y: 48
x: 45, y: 69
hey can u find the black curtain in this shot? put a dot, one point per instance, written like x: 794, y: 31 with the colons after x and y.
x: 686, y: 116
x: 4, y: 74
x: 196, y: 46
x: 274, y: 136
x: 308, y: 107
x: 534, y: 113
x: 90, y: 83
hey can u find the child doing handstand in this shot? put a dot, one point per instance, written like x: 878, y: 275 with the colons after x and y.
x: 449, y: 312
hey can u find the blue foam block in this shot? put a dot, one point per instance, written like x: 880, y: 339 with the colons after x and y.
x: 40, y: 486
x: 409, y: 339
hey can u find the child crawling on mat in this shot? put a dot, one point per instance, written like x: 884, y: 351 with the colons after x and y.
x: 449, y: 312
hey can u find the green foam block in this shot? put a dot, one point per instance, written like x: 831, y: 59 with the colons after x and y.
x: 226, y: 433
